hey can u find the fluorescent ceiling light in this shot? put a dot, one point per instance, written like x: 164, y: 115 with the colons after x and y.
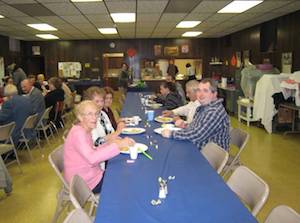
x: 188, y: 24
x: 191, y: 34
x: 42, y: 27
x: 123, y: 17
x: 1, y: 16
x: 108, y: 30
x: 239, y: 6
x: 86, y: 0
x: 47, y: 36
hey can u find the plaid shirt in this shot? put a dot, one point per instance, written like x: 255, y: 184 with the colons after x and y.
x: 210, y: 124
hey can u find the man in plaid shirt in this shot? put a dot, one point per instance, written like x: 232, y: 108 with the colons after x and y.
x: 210, y: 122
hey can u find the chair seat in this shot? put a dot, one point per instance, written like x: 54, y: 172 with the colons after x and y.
x: 4, y: 148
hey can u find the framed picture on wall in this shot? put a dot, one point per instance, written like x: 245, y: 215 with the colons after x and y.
x: 286, y: 62
x: 157, y: 50
x: 171, y: 51
x: 185, y: 49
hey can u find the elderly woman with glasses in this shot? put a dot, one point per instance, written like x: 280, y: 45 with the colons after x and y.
x: 104, y: 132
x: 81, y: 157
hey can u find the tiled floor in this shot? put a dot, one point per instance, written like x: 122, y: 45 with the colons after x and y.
x: 274, y: 157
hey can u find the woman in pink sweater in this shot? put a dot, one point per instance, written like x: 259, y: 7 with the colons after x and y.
x: 80, y: 156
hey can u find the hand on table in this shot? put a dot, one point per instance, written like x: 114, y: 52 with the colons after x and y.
x: 180, y: 123
x: 125, y: 142
x: 121, y: 125
x: 166, y: 133
x: 167, y: 113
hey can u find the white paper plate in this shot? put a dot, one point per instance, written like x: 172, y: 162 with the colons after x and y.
x: 141, y: 147
x: 162, y: 119
x: 167, y: 125
x: 133, y: 131
x: 155, y: 105
x: 159, y: 130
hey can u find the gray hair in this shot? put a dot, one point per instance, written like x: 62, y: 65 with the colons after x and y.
x: 192, y: 84
x: 80, y: 108
x: 213, y: 85
x: 10, y: 90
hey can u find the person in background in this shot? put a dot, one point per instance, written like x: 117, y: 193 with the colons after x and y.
x: 172, y: 69
x: 33, y: 81
x: 170, y: 78
x: 36, y: 97
x: 17, y: 74
x: 104, y: 131
x: 109, y: 95
x: 56, y: 94
x: 81, y: 157
x: 44, y: 84
x: 16, y: 108
x: 187, y: 110
x: 124, y: 77
x: 210, y: 123
x: 190, y: 72
x: 169, y: 96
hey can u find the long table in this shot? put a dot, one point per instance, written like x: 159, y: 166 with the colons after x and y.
x: 198, y: 193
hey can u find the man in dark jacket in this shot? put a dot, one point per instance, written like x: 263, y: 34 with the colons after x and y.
x: 16, y: 109
x: 169, y: 96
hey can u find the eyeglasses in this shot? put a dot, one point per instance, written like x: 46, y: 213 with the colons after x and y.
x: 91, y: 114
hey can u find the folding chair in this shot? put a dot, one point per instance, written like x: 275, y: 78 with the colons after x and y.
x: 78, y: 216
x: 238, y: 138
x: 44, y: 124
x: 250, y: 188
x: 80, y: 194
x: 30, y: 124
x: 8, y: 145
x: 59, y: 108
x: 283, y: 214
x: 215, y: 155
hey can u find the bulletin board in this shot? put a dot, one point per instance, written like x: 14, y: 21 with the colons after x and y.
x: 69, y: 69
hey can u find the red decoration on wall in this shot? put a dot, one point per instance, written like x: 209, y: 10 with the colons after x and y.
x: 233, y: 61
x: 131, y: 52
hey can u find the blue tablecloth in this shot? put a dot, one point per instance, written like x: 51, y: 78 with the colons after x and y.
x: 198, y: 193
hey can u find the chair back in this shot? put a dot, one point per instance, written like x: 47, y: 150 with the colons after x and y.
x: 45, y: 115
x: 215, y: 155
x: 239, y: 138
x: 30, y: 122
x: 77, y: 216
x: 6, y: 131
x: 250, y: 188
x: 56, y: 159
x: 59, y: 108
x: 80, y: 193
x: 283, y: 213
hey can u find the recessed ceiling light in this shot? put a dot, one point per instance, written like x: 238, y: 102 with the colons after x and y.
x: 86, y: 0
x: 42, y: 27
x: 108, y: 30
x: 188, y: 24
x: 191, y: 34
x: 239, y: 6
x: 1, y: 16
x: 47, y: 36
x: 123, y: 17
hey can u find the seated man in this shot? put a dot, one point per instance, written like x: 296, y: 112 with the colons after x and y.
x: 187, y: 110
x: 171, y: 78
x: 210, y: 123
x: 16, y: 109
x: 36, y: 97
x: 169, y: 96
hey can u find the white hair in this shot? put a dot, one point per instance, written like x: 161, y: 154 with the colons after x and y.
x: 10, y: 90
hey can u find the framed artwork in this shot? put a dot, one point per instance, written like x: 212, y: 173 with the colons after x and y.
x: 171, y: 51
x: 238, y: 56
x: 157, y: 50
x: 185, y: 49
x: 36, y: 50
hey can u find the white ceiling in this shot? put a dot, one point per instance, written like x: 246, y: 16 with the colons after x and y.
x: 154, y: 18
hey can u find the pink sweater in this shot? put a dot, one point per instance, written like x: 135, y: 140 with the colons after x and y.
x: 82, y: 159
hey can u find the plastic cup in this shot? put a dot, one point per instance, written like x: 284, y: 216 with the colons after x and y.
x: 150, y: 115
x: 133, y: 152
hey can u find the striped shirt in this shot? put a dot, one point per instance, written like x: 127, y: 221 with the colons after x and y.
x: 210, y: 124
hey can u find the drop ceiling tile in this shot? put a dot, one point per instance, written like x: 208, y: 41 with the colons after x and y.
x: 34, y: 9
x: 210, y: 6
x: 18, y: 1
x: 52, y: 1
x: 52, y: 20
x: 221, y: 17
x: 63, y: 8
x: 99, y: 18
x: 172, y: 17
x: 197, y: 16
x: 291, y: 7
x: 27, y: 19
x: 151, y: 6
x: 9, y: 11
x: 179, y: 6
x: 92, y: 7
x: 121, y: 6
x: 83, y: 25
x: 267, y: 6
x: 75, y: 19
x: 148, y: 17
x: 9, y: 22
